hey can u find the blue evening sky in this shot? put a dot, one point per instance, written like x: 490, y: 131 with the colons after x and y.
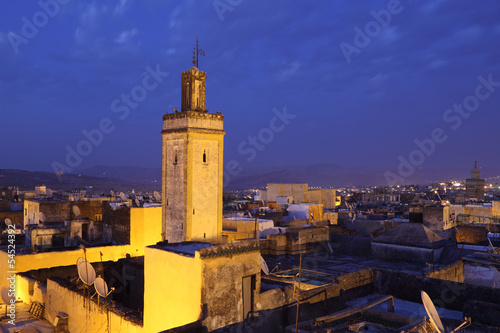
x: 363, y: 80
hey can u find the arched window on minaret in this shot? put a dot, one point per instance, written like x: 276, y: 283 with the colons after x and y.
x: 204, y: 156
x: 188, y: 97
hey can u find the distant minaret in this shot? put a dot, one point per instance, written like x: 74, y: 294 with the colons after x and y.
x: 474, y: 186
x: 193, y: 144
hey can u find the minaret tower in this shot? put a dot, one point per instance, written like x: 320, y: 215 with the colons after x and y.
x: 193, y: 143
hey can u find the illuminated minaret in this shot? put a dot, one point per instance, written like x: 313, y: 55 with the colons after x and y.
x: 193, y: 143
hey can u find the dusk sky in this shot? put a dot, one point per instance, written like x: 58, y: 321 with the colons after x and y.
x: 355, y: 82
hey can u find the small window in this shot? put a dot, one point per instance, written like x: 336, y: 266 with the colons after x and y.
x: 98, y: 217
x: 204, y: 156
x: 175, y: 155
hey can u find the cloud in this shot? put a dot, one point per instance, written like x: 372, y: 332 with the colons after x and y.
x: 287, y: 72
x: 125, y: 36
x: 121, y: 7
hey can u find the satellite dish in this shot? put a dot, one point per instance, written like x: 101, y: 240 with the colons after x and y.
x: 76, y: 210
x: 263, y: 266
x: 86, y: 272
x: 431, y: 312
x: 71, y: 198
x: 102, y: 287
x: 112, y: 193
x: 79, y: 261
x: 4, y: 194
x: 122, y: 196
x: 157, y: 196
x: 41, y: 217
x: 137, y: 202
x: 4, y: 293
x: 8, y: 221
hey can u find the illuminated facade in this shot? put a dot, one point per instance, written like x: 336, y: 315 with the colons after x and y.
x: 193, y: 143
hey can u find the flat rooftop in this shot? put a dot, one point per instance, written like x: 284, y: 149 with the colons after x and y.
x: 185, y: 248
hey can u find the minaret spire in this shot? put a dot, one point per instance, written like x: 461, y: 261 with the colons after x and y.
x: 196, y: 53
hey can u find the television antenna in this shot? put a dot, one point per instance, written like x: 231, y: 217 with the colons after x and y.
x: 434, y: 316
x: 122, y: 196
x: 76, y: 210
x: 7, y: 297
x: 263, y: 266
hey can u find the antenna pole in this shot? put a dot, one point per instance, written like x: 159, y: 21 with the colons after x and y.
x: 197, y: 51
x: 298, y: 294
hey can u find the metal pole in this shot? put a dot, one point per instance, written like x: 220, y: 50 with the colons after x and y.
x: 298, y: 295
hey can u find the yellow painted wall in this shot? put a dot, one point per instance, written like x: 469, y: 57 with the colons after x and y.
x: 26, y: 262
x: 172, y: 289
x: 84, y: 319
x: 145, y: 228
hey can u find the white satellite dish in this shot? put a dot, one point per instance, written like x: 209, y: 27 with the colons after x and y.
x: 8, y: 221
x: 4, y: 194
x: 122, y: 196
x: 137, y: 202
x: 71, y: 198
x: 102, y: 287
x: 86, y: 272
x: 76, y: 210
x: 431, y: 312
x: 112, y: 193
x: 263, y: 266
x: 157, y: 196
x: 79, y: 261
x: 4, y: 293
x: 42, y: 217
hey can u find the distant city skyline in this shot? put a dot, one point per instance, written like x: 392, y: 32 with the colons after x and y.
x: 370, y: 83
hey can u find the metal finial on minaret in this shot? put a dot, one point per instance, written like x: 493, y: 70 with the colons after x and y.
x: 197, y: 52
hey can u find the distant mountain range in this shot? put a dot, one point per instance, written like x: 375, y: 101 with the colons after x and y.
x: 105, y: 178
x: 27, y: 180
